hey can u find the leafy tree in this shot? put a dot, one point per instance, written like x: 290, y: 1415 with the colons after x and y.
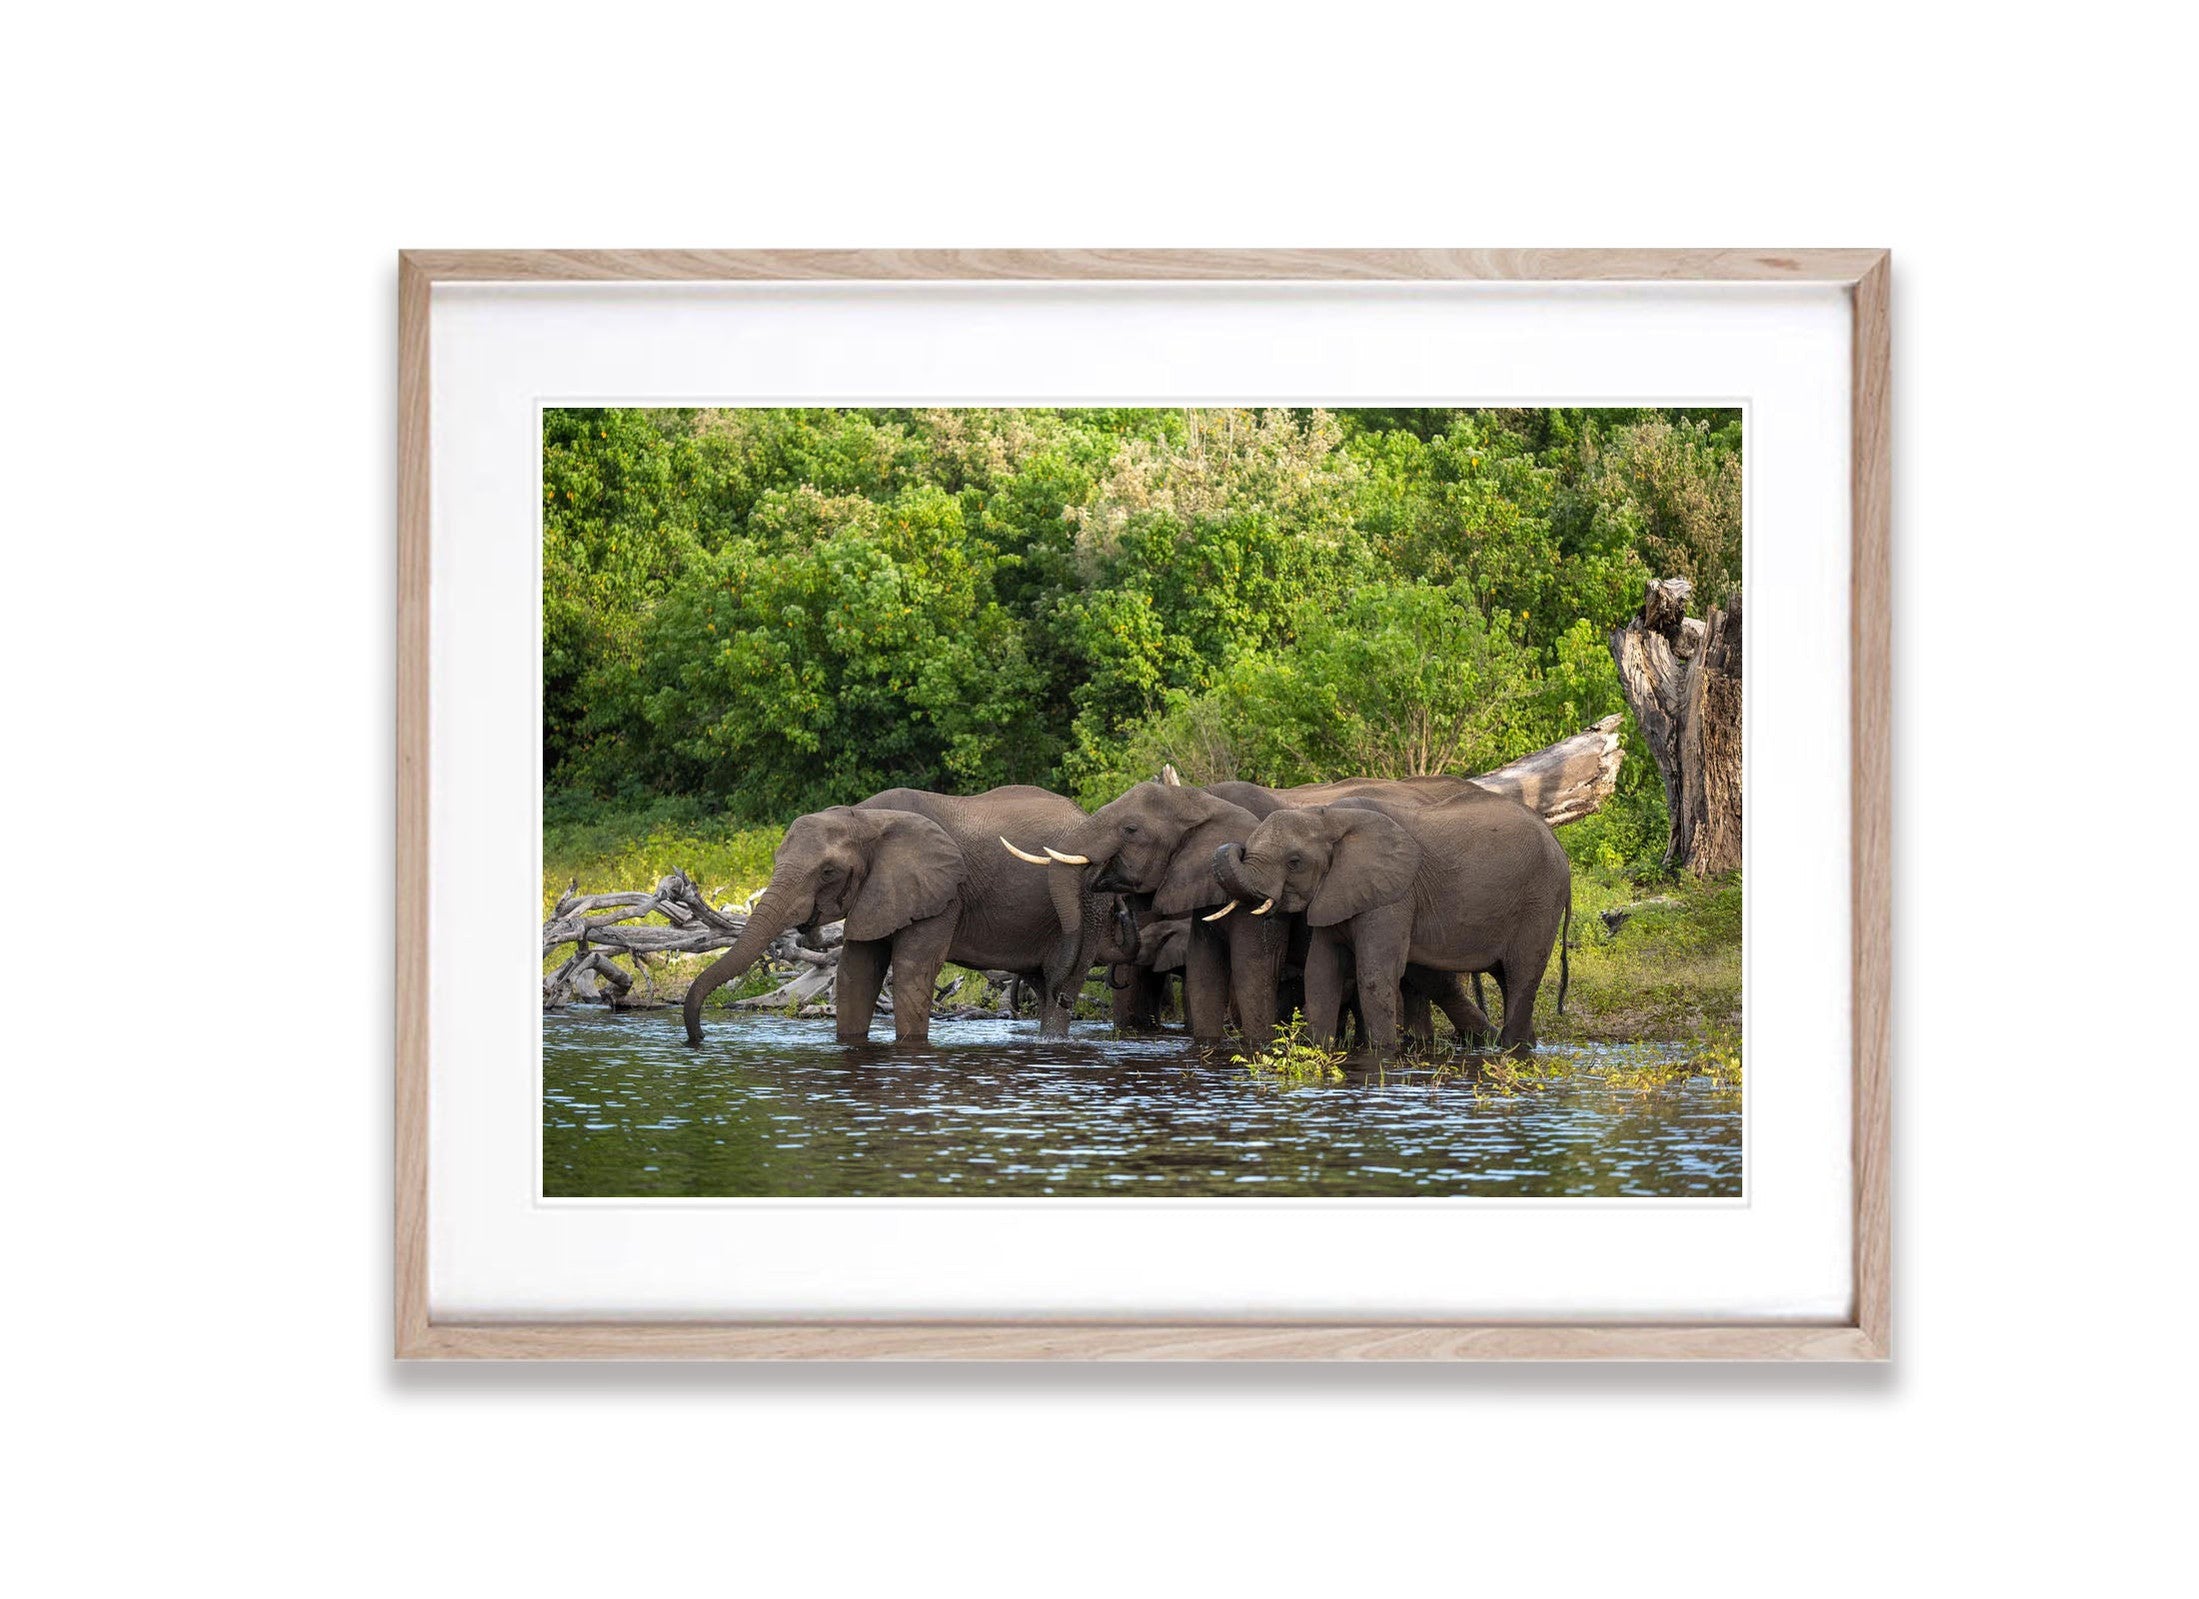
x: 1671, y: 491
x: 841, y: 647
x: 776, y: 608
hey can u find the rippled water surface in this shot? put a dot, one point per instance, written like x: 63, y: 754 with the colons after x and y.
x: 769, y: 1106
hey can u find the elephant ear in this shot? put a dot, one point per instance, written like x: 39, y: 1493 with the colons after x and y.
x: 915, y: 871
x: 1191, y: 884
x: 1373, y: 863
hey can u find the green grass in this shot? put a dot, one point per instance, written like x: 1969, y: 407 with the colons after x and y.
x: 616, y: 851
x: 1668, y: 972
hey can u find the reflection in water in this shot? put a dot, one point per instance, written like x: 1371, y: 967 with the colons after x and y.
x: 769, y: 1106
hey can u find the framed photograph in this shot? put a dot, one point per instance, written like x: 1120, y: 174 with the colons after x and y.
x: 1248, y: 804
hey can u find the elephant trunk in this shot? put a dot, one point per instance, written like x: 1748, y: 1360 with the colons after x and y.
x: 1231, y: 869
x: 1063, y: 977
x: 1066, y: 885
x: 779, y: 909
x: 1071, y: 957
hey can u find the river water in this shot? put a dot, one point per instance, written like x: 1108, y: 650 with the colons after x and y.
x: 775, y: 1107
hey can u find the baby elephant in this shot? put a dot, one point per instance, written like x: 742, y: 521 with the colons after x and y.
x: 1477, y: 883
x: 1141, y: 952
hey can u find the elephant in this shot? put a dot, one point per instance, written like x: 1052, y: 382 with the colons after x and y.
x: 1424, y: 991
x: 919, y: 881
x: 1159, y: 840
x: 1470, y: 884
x: 1263, y: 802
x: 1140, y: 952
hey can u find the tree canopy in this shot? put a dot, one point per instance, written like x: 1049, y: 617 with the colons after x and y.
x: 775, y: 610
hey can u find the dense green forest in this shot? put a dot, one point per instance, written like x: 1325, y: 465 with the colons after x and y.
x: 766, y: 611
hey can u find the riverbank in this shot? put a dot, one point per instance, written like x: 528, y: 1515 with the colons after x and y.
x: 1663, y: 964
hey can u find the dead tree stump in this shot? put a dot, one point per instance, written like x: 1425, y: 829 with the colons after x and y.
x: 1682, y: 679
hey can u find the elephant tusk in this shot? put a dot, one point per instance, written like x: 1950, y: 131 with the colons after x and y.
x: 1068, y: 860
x: 1264, y: 907
x: 1025, y: 855
x: 1218, y: 915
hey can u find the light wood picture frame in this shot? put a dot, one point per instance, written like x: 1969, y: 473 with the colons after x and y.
x: 1864, y: 1335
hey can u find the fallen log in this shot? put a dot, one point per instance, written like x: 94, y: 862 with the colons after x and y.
x: 1565, y: 781
x: 803, y: 988
x: 1619, y: 915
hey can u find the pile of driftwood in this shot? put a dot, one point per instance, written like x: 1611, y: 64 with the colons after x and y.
x: 603, y: 928
x: 1564, y: 782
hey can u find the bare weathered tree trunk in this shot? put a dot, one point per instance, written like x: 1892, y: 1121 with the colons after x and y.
x: 1682, y: 678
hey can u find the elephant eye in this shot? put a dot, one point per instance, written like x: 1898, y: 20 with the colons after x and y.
x: 1130, y: 827
x: 1295, y: 862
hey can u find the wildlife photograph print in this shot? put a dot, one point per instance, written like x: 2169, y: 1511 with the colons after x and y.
x: 1142, y: 803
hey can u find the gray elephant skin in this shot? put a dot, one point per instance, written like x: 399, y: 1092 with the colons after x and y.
x: 1469, y: 884
x: 1157, y: 844
x: 1424, y: 990
x: 920, y: 880
x: 1158, y: 840
x: 1263, y: 802
x: 1141, y: 953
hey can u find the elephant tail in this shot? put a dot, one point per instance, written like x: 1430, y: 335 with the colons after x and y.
x: 1565, y: 942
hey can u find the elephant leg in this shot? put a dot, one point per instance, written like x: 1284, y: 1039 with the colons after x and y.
x: 1054, y: 984
x: 1466, y: 1017
x: 1206, y: 985
x: 1416, y: 1016
x: 1378, y: 1007
x: 1122, y: 998
x: 1255, y: 962
x: 855, y: 987
x: 1324, y: 986
x: 1152, y: 999
x: 919, y: 950
x: 1380, y: 940
x: 1520, y: 977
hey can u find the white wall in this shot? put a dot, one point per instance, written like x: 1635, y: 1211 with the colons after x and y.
x: 198, y: 512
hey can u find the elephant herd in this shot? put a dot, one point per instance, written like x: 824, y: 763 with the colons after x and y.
x: 1373, y: 893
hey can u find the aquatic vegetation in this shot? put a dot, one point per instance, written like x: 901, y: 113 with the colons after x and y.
x: 1293, y: 1059
x: 1638, y: 1074
x: 1718, y: 1057
x: 1516, y: 1074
